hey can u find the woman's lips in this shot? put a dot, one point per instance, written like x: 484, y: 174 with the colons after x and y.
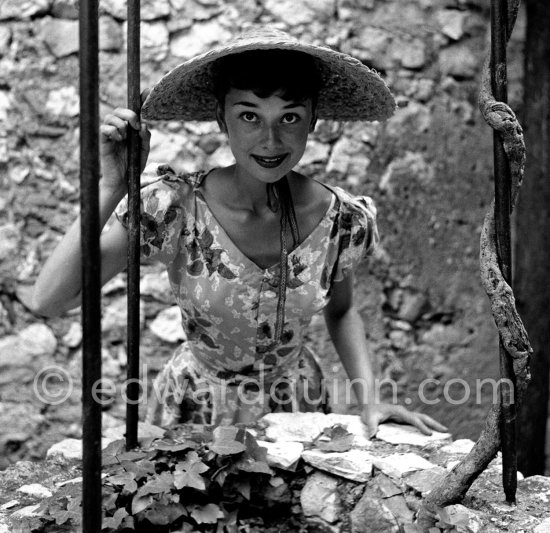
x: 269, y: 162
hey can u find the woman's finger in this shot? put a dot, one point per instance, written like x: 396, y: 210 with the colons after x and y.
x: 110, y: 133
x: 127, y: 115
x: 417, y: 422
x: 401, y: 414
x: 145, y: 135
x: 120, y: 124
x: 434, y: 424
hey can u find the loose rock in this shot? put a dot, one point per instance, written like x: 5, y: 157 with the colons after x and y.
x: 305, y: 12
x: 355, y: 465
x: 61, y: 36
x: 22, y: 9
x: 320, y: 498
x: 199, y: 38
x: 283, y: 455
x: 399, y: 464
x: 9, y: 240
x: 458, y: 61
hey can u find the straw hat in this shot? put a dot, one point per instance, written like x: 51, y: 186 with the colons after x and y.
x: 349, y: 89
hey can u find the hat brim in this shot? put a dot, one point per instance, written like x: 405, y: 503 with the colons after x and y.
x: 350, y: 91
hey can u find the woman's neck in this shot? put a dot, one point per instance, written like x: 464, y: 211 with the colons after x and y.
x: 248, y: 192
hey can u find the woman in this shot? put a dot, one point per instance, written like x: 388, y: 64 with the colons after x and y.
x: 253, y: 250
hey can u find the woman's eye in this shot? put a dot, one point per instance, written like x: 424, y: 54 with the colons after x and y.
x: 248, y: 116
x: 290, y: 118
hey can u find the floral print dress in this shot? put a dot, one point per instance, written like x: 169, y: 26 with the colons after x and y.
x: 230, y: 369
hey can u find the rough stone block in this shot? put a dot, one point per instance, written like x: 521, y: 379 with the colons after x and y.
x: 319, y: 497
x: 355, y: 465
x: 399, y: 464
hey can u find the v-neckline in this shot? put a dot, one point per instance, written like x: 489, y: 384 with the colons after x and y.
x: 199, y: 195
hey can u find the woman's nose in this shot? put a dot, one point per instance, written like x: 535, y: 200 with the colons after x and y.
x: 271, y: 136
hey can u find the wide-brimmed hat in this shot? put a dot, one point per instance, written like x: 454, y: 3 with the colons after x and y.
x: 349, y: 90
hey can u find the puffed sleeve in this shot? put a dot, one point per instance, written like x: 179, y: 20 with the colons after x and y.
x: 354, y: 235
x: 161, y: 212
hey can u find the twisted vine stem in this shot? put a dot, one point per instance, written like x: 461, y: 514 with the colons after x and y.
x: 453, y: 487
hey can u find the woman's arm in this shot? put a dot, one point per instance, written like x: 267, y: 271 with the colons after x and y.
x: 348, y: 335
x: 58, y: 286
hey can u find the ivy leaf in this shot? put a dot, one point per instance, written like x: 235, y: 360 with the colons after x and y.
x: 207, y: 514
x: 229, y: 525
x: 109, y: 500
x: 248, y: 464
x: 243, y: 487
x: 110, y: 453
x: 139, y: 503
x: 115, y: 520
x: 121, y: 479
x: 126, y: 480
x: 134, y: 455
x: 162, y: 514
x: 73, y: 513
x: 173, y: 447
x: 140, y: 469
x: 255, y: 458
x: 341, y: 440
x: 225, y: 442
x: 161, y: 483
x: 188, y: 472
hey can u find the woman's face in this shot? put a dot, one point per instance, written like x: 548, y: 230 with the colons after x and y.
x: 266, y: 135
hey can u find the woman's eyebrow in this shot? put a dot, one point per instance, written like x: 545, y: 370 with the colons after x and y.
x: 247, y: 104
x: 252, y: 104
x: 295, y: 104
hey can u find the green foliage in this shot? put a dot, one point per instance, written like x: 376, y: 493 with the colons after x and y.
x: 182, y: 483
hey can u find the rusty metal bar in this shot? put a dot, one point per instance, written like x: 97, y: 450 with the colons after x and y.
x: 134, y: 156
x: 499, y: 38
x: 91, y: 263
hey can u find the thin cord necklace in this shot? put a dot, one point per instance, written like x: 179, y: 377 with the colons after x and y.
x: 279, y: 197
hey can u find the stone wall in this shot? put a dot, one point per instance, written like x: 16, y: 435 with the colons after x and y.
x: 429, y: 170
x: 348, y: 484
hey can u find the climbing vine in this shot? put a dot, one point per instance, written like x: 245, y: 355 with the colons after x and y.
x: 210, y: 481
x: 502, y: 119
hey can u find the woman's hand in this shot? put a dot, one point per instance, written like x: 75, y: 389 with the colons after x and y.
x: 373, y: 415
x: 114, y: 146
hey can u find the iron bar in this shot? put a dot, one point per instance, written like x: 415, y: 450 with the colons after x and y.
x: 134, y: 163
x: 91, y: 264
x: 499, y: 38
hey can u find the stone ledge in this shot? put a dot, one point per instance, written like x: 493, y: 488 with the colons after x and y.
x: 380, y: 482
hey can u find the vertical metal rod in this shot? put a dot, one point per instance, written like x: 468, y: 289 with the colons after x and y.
x: 134, y: 157
x: 91, y: 263
x: 499, y: 37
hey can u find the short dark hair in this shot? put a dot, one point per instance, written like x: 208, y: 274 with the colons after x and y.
x: 266, y: 72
